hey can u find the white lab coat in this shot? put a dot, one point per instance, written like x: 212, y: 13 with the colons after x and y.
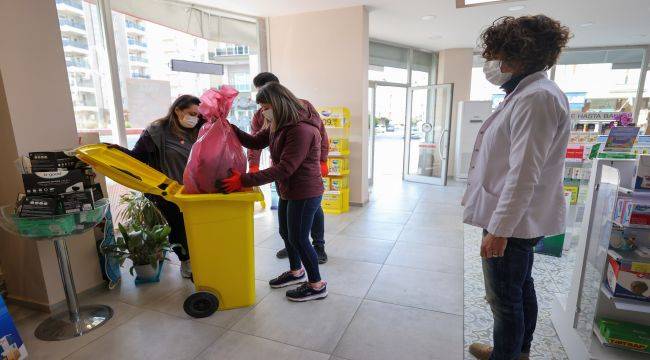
x: 514, y: 187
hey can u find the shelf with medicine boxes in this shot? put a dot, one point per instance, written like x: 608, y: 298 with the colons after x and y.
x: 336, y: 199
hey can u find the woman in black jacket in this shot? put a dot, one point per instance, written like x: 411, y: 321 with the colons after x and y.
x: 165, y: 145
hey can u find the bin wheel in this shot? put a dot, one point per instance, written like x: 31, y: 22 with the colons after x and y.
x: 201, y: 304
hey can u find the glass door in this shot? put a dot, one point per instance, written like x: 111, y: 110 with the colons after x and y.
x: 371, y: 134
x: 426, y: 145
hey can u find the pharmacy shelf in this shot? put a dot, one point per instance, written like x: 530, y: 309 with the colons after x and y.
x: 339, y: 153
x: 341, y: 173
x: 333, y: 192
x: 625, y: 304
x: 626, y: 191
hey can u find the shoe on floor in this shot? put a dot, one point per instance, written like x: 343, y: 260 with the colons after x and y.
x: 483, y: 352
x: 186, y: 269
x: 282, y: 254
x: 286, y: 279
x: 305, y: 292
x: 322, y: 255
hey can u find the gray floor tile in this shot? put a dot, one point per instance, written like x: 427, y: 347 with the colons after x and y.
x: 152, y: 335
x: 348, y: 277
x: 440, y: 222
x: 427, y: 257
x: 360, y: 249
x: 267, y: 265
x: 429, y: 236
x: 173, y: 305
x: 419, y: 288
x: 386, y: 216
x: 372, y: 229
x: 384, y: 331
x: 238, y: 346
x: 315, y: 325
x: 52, y: 350
x: 273, y: 242
x: 439, y: 208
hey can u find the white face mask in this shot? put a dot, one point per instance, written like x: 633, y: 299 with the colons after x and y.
x: 493, y: 74
x: 268, y: 114
x: 189, y: 121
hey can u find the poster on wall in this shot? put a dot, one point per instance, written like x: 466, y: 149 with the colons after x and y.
x: 11, y: 345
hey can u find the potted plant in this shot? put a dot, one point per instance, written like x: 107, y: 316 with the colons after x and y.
x: 144, y: 237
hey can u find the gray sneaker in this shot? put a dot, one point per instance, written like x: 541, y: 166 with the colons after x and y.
x: 186, y: 269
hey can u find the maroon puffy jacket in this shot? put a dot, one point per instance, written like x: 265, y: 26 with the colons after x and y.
x: 295, y: 153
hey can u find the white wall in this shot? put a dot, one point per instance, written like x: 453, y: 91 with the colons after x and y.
x: 455, y: 67
x: 323, y: 57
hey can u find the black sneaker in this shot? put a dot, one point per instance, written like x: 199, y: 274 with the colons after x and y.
x: 305, y: 292
x: 282, y: 254
x: 322, y: 255
x: 287, y: 279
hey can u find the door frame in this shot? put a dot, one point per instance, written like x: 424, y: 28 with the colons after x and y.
x: 445, y: 136
x: 371, y: 135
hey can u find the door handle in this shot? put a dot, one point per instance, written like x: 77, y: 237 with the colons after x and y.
x: 443, y: 156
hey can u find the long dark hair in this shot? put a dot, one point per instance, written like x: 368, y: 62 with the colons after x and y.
x: 173, y: 122
x: 286, y: 107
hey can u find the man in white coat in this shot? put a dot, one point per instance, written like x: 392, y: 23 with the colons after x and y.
x: 514, y: 189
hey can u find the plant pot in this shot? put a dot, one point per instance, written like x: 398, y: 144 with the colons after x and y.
x: 146, y: 272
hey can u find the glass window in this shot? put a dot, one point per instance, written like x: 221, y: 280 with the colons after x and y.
x: 422, y: 69
x: 148, y: 83
x: 600, y: 80
x: 480, y: 88
x: 87, y: 65
x: 388, y: 63
x: 644, y: 114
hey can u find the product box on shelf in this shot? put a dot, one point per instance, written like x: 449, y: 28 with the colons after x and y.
x: 54, y: 182
x: 338, y: 144
x: 628, y: 275
x: 326, y: 183
x: 75, y: 202
x: 37, y: 206
x: 44, y: 161
x: 642, y: 182
x: 339, y: 183
x: 11, y: 345
x: 623, y: 210
x: 337, y: 165
x: 573, y: 189
x: 640, y: 215
x: 625, y: 334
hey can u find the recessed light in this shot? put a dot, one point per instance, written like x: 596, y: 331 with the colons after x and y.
x: 428, y: 17
x: 516, y: 8
x: 435, y: 37
x: 587, y: 24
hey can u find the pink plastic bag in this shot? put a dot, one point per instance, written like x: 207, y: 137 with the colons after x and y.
x: 217, y: 149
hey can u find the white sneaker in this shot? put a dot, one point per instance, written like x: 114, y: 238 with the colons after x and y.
x: 186, y: 269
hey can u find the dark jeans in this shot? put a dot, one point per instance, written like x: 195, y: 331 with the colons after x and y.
x: 511, y: 294
x: 296, y: 218
x: 318, y: 228
x: 174, y: 217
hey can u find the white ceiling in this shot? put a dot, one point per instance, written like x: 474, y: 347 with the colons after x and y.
x: 614, y: 22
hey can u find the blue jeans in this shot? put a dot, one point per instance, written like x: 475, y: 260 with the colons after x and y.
x: 296, y: 218
x: 511, y: 294
x: 318, y: 228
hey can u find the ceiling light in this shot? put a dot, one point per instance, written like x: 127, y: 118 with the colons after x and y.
x: 587, y: 24
x: 428, y: 17
x: 516, y: 8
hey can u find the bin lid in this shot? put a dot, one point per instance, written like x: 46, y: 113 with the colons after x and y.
x: 127, y: 170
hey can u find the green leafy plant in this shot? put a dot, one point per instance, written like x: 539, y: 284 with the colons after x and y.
x: 144, y: 233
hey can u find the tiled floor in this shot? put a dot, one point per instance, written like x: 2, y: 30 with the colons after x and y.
x: 395, y: 282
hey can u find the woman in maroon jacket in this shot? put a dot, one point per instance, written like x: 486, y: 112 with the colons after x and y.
x: 294, y: 139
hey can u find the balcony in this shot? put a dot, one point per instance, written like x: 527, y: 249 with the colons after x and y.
x: 86, y: 85
x: 75, y: 46
x: 242, y: 87
x: 134, y: 42
x: 237, y: 50
x: 76, y: 27
x: 132, y: 25
x: 78, y: 63
x: 70, y: 6
x: 136, y: 75
x: 139, y: 59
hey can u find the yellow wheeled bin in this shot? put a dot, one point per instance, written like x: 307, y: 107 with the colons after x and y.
x: 219, y: 230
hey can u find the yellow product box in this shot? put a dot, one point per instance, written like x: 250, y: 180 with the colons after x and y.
x: 338, y: 183
x: 336, y: 202
x: 573, y: 189
x: 334, y: 116
x: 326, y: 183
x: 337, y: 166
x: 338, y: 144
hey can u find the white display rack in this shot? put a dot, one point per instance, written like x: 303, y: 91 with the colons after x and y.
x: 575, y: 319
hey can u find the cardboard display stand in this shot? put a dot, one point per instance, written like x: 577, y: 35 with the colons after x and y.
x: 11, y: 345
